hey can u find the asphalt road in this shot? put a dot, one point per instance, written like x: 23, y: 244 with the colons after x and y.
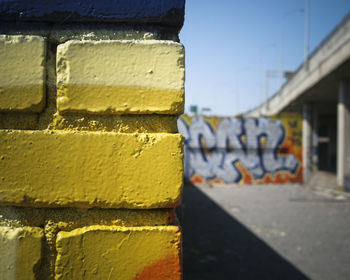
x: 264, y: 232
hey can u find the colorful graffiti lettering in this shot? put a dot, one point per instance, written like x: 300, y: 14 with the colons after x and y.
x: 231, y: 150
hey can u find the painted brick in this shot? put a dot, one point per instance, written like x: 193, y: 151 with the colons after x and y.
x: 20, y: 252
x: 90, y: 169
x: 122, y: 253
x: 22, y: 73
x: 167, y: 12
x: 120, y: 77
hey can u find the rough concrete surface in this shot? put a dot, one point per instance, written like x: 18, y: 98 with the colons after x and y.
x: 22, y: 73
x: 133, y: 253
x: 264, y: 232
x: 89, y: 169
x: 21, y: 250
x: 148, y: 77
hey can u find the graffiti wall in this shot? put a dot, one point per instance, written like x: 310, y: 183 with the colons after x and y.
x: 242, y: 151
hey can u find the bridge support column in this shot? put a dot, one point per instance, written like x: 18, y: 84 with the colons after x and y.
x: 310, y: 158
x: 343, y: 149
x: 314, y: 139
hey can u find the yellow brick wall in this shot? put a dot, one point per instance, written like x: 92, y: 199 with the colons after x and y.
x: 90, y: 158
x: 22, y: 73
x: 122, y: 253
x: 20, y: 252
x: 148, y: 77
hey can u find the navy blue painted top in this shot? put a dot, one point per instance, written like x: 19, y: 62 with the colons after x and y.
x: 165, y: 12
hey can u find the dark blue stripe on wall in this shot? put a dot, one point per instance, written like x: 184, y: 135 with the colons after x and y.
x: 168, y: 12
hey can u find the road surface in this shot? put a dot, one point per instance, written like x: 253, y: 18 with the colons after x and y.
x: 264, y: 232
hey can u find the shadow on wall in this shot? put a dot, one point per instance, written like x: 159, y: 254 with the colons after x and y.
x: 217, y: 246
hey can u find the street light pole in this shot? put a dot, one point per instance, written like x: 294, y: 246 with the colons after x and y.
x: 269, y: 74
x: 267, y: 91
x: 307, y: 17
x: 261, y: 69
x: 285, y: 15
x: 238, y: 72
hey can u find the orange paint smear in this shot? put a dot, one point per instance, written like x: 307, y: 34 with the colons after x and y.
x: 298, y: 178
x: 278, y: 177
x: 216, y: 181
x: 246, y: 176
x: 197, y: 179
x: 282, y: 177
x: 165, y: 269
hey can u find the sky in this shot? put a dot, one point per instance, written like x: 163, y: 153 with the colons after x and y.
x: 230, y: 44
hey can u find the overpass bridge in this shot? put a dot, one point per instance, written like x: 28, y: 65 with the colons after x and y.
x: 320, y: 90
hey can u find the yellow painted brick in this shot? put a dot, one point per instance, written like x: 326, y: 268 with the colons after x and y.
x: 120, y: 77
x: 70, y: 218
x: 22, y: 73
x: 128, y: 253
x: 20, y: 252
x: 90, y: 169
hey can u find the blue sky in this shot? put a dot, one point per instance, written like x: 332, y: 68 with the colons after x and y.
x: 231, y: 43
